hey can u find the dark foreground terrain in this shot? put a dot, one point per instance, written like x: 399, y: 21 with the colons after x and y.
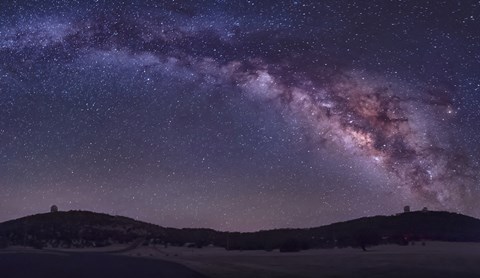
x: 432, y: 260
x: 87, y: 265
x: 429, y: 260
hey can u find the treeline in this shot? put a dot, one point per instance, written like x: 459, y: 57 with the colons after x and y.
x: 87, y: 229
x: 399, y: 229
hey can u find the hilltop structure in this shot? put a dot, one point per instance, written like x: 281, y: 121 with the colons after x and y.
x: 53, y: 208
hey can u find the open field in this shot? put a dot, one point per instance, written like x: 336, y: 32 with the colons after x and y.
x: 24, y: 263
x: 436, y: 259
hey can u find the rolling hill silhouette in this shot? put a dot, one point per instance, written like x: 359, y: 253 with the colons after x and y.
x: 90, y: 229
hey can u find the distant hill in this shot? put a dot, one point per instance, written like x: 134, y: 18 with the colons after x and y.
x: 84, y: 228
x: 75, y: 228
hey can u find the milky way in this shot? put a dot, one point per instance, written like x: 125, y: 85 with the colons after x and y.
x: 239, y: 116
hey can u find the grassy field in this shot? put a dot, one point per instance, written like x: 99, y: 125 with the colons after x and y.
x: 436, y: 259
x: 30, y: 263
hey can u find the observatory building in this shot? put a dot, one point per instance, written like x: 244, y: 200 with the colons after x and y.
x: 53, y: 208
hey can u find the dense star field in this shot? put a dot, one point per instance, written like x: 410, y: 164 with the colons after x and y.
x: 239, y: 115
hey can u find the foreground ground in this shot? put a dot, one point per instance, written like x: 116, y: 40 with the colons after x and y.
x: 43, y: 264
x: 436, y: 259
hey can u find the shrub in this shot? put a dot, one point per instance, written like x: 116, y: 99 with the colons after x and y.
x: 366, y: 238
x: 290, y: 245
x: 37, y: 244
x: 3, y: 243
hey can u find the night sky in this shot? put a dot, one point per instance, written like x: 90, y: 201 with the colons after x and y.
x: 239, y: 115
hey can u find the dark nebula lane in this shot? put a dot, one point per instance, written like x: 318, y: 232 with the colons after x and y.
x: 239, y: 116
